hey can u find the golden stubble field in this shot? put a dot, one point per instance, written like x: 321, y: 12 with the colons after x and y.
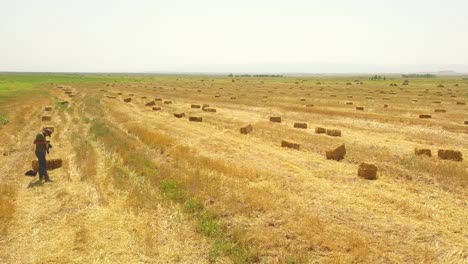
x: 140, y: 185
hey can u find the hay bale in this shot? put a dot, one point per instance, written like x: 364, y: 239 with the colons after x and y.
x: 447, y: 154
x: 334, y: 132
x: 440, y: 111
x: 300, y: 125
x: 309, y: 105
x: 419, y: 152
x: 168, y: 102
x: 195, y: 106
x: 119, y: 93
x: 64, y: 102
x: 127, y: 100
x: 179, y: 115
x: 461, y: 103
x: 349, y: 103
x: 436, y: 102
x: 246, y: 129
x: 385, y: 106
x: 52, y: 164
x: 150, y: 103
x: 425, y: 116
x: 71, y: 95
x: 275, y: 119
x: 367, y: 171
x: 320, y: 130
x: 48, y: 108
x: 205, y: 106
x: 156, y: 108
x: 232, y: 98
x: 287, y: 144
x: 46, y: 118
x: 68, y: 92
x: 337, y: 153
x: 211, y: 110
x: 158, y: 99
x: 360, y: 108
x: 196, y: 119
x: 143, y: 97
x: 466, y: 123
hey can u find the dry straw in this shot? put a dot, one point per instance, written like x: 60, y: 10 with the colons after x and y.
x: 52, y: 164
x: 275, y: 119
x: 320, y: 130
x: 288, y: 144
x: 337, y: 153
x: 447, y: 154
x: 300, y: 125
x: 196, y: 119
x: 246, y: 129
x: 334, y: 132
x: 367, y: 171
x: 419, y: 152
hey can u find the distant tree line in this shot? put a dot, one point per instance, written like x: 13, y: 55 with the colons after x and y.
x: 377, y: 77
x: 256, y: 75
x: 419, y: 76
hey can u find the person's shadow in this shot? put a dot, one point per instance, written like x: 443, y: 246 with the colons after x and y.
x: 35, y: 183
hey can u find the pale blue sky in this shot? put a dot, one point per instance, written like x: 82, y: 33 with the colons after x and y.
x: 223, y: 36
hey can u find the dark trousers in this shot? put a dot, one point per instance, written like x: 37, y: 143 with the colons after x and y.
x: 41, y: 157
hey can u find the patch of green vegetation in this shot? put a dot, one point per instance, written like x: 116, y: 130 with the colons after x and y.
x: 4, y: 119
x: 120, y: 177
x: 173, y: 191
x: 99, y: 129
x: 208, y: 223
x: 61, y: 106
x: 19, y: 84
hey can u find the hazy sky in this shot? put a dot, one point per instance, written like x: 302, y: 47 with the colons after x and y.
x: 241, y: 35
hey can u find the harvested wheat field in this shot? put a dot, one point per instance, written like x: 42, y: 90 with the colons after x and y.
x: 137, y: 185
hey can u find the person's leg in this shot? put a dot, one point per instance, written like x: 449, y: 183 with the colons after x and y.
x: 39, y: 159
x: 43, y: 165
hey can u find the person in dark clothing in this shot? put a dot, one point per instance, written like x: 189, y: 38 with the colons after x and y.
x: 42, y: 148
